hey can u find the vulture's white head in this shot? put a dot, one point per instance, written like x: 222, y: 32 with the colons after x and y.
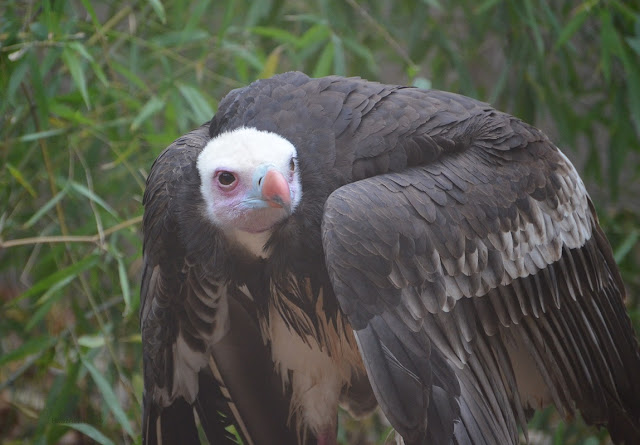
x: 250, y: 183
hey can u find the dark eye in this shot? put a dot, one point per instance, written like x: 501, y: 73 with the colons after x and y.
x: 292, y: 164
x: 226, y: 178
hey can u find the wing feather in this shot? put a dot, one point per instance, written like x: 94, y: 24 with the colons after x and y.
x: 175, y: 309
x: 495, y: 242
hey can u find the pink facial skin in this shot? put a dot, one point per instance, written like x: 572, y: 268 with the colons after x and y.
x: 250, y: 204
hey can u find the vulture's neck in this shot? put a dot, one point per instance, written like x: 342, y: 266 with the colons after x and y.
x: 253, y: 243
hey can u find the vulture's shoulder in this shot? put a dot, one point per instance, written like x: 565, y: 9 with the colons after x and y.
x: 173, y: 173
x: 406, y: 127
x: 351, y: 129
x: 174, y: 166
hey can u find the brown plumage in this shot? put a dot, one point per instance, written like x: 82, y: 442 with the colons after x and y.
x: 456, y: 242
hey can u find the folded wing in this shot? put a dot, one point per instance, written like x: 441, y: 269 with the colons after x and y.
x: 480, y: 286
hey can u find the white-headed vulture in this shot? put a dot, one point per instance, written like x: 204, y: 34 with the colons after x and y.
x: 334, y: 241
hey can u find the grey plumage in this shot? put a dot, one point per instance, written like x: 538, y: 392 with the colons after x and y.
x: 456, y: 241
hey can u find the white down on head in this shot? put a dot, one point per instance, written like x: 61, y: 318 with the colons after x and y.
x: 249, y: 183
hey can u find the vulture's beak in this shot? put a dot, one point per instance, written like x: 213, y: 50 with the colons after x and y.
x: 270, y: 189
x: 275, y: 190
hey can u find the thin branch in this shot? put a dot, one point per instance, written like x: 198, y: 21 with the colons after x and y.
x: 70, y: 238
x: 122, y: 225
x: 43, y: 43
x: 383, y: 32
x: 92, y: 204
x: 113, y: 21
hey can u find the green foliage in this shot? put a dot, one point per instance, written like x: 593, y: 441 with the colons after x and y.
x: 91, y: 92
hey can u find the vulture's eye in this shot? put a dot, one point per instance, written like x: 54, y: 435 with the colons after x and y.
x: 292, y: 164
x: 226, y: 178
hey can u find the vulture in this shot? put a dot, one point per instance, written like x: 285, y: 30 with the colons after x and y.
x: 327, y: 242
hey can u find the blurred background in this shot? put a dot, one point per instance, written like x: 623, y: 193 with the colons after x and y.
x: 92, y: 91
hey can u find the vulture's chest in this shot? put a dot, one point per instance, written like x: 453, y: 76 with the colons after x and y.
x: 309, y: 319
x: 313, y: 349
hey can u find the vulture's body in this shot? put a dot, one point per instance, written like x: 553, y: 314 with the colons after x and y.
x: 326, y: 241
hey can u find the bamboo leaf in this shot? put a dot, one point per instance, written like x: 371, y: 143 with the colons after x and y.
x: 109, y: 397
x: 46, y: 301
x: 315, y: 34
x: 77, y: 73
x: 611, y: 45
x: 56, y: 277
x: 158, y: 8
x: 129, y: 75
x: 257, y: 10
x: 62, y: 391
x: 90, y: 431
x: 199, y: 10
x: 634, y: 43
x: 80, y: 49
x: 627, y: 244
x: 41, y: 135
x: 278, y: 34
x: 132, y: 148
x: 626, y: 10
x: 37, y: 83
x: 361, y: 51
x: 572, y: 27
x: 433, y: 3
x: 18, y: 176
x: 323, y: 67
x: 422, y: 82
x: 533, y: 24
x: 92, y: 341
x: 16, y: 79
x: 271, y: 64
x: 31, y: 346
x: 134, y: 338
x: 201, y: 109
x: 84, y: 191
x: 178, y: 38
x: 72, y: 114
x: 92, y: 13
x: 339, y: 59
x: 124, y: 284
x: 46, y: 296
x: 227, y: 18
x: 154, y: 105
x: 244, y: 54
x: 632, y: 72
x: 45, y: 209
x: 486, y: 6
